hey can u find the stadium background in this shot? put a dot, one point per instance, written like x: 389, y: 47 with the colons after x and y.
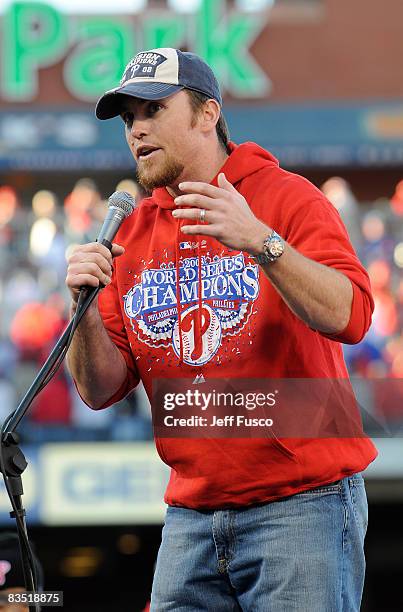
x: 318, y: 82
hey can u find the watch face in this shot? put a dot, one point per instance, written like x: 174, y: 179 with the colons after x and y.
x: 273, y: 247
x: 276, y: 248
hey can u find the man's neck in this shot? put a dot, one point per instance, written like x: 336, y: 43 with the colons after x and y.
x: 204, y: 172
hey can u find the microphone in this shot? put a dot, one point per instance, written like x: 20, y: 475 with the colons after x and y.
x: 121, y: 205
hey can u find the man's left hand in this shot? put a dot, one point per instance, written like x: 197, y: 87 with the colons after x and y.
x: 228, y: 217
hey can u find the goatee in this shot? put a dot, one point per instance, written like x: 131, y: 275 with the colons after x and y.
x: 163, y: 176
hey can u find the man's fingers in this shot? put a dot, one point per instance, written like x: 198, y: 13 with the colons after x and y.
x: 117, y: 250
x: 83, y: 280
x: 204, y: 230
x: 203, y: 188
x: 94, y: 247
x: 196, y: 199
x: 89, y: 265
x: 194, y: 213
x: 92, y: 259
x: 75, y: 273
x: 224, y: 183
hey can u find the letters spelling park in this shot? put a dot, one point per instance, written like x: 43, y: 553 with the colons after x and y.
x: 35, y: 35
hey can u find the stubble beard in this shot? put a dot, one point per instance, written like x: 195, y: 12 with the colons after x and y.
x: 161, y: 176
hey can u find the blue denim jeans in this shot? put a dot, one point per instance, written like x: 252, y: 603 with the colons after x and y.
x: 301, y: 554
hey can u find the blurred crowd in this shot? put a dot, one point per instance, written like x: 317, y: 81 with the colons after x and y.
x: 376, y: 363
x: 35, y: 238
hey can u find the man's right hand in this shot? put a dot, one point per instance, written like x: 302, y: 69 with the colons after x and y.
x: 92, y: 351
x: 89, y: 265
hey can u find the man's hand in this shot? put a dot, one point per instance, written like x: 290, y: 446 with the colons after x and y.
x: 228, y: 217
x: 89, y: 265
x: 92, y: 351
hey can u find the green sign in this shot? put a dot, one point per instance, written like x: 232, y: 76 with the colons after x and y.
x: 36, y: 35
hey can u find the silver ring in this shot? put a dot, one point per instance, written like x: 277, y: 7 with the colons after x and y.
x: 202, y: 215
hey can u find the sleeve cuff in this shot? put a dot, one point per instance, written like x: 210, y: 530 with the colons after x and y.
x: 360, y: 319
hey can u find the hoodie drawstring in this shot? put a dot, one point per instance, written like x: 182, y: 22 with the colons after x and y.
x: 178, y: 291
x: 197, y: 316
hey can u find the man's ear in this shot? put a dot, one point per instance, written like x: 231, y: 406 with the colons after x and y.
x: 210, y: 115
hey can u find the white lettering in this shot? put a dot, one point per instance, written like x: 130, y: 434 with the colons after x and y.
x: 169, y: 296
x: 150, y: 297
x: 249, y: 278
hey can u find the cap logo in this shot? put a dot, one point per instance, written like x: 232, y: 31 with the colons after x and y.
x: 143, y: 65
x: 5, y: 567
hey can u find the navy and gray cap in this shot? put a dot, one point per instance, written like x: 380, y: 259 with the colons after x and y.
x: 156, y: 74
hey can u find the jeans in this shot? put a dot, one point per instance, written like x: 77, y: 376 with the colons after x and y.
x: 303, y: 553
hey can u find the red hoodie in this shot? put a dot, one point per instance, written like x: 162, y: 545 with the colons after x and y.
x: 246, y: 331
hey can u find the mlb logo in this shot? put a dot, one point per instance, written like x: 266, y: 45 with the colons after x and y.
x: 192, y: 245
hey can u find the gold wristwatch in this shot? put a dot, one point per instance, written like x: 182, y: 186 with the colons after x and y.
x: 273, y: 248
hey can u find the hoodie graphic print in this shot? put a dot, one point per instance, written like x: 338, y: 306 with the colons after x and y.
x: 188, y: 307
x: 214, y: 294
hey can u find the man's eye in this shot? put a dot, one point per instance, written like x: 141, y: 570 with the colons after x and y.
x: 154, y: 107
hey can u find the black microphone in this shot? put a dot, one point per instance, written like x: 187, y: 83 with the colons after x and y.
x: 121, y: 205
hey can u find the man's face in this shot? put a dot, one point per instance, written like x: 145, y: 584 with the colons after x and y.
x: 162, y: 136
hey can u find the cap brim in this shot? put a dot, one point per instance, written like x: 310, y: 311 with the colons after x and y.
x: 111, y: 103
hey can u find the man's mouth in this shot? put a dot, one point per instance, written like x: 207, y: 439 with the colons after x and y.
x: 145, y: 152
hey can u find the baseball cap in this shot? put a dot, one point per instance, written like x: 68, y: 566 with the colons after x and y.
x: 156, y: 74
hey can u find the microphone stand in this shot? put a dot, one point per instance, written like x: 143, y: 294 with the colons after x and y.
x: 13, y: 462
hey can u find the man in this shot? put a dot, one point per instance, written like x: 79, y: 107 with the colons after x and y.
x: 233, y: 268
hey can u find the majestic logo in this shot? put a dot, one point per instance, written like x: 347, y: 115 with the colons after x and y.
x: 228, y: 286
x: 143, y: 65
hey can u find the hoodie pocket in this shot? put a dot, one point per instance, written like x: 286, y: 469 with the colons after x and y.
x: 287, y: 452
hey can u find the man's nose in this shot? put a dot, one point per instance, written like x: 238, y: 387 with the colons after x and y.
x: 140, y: 128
